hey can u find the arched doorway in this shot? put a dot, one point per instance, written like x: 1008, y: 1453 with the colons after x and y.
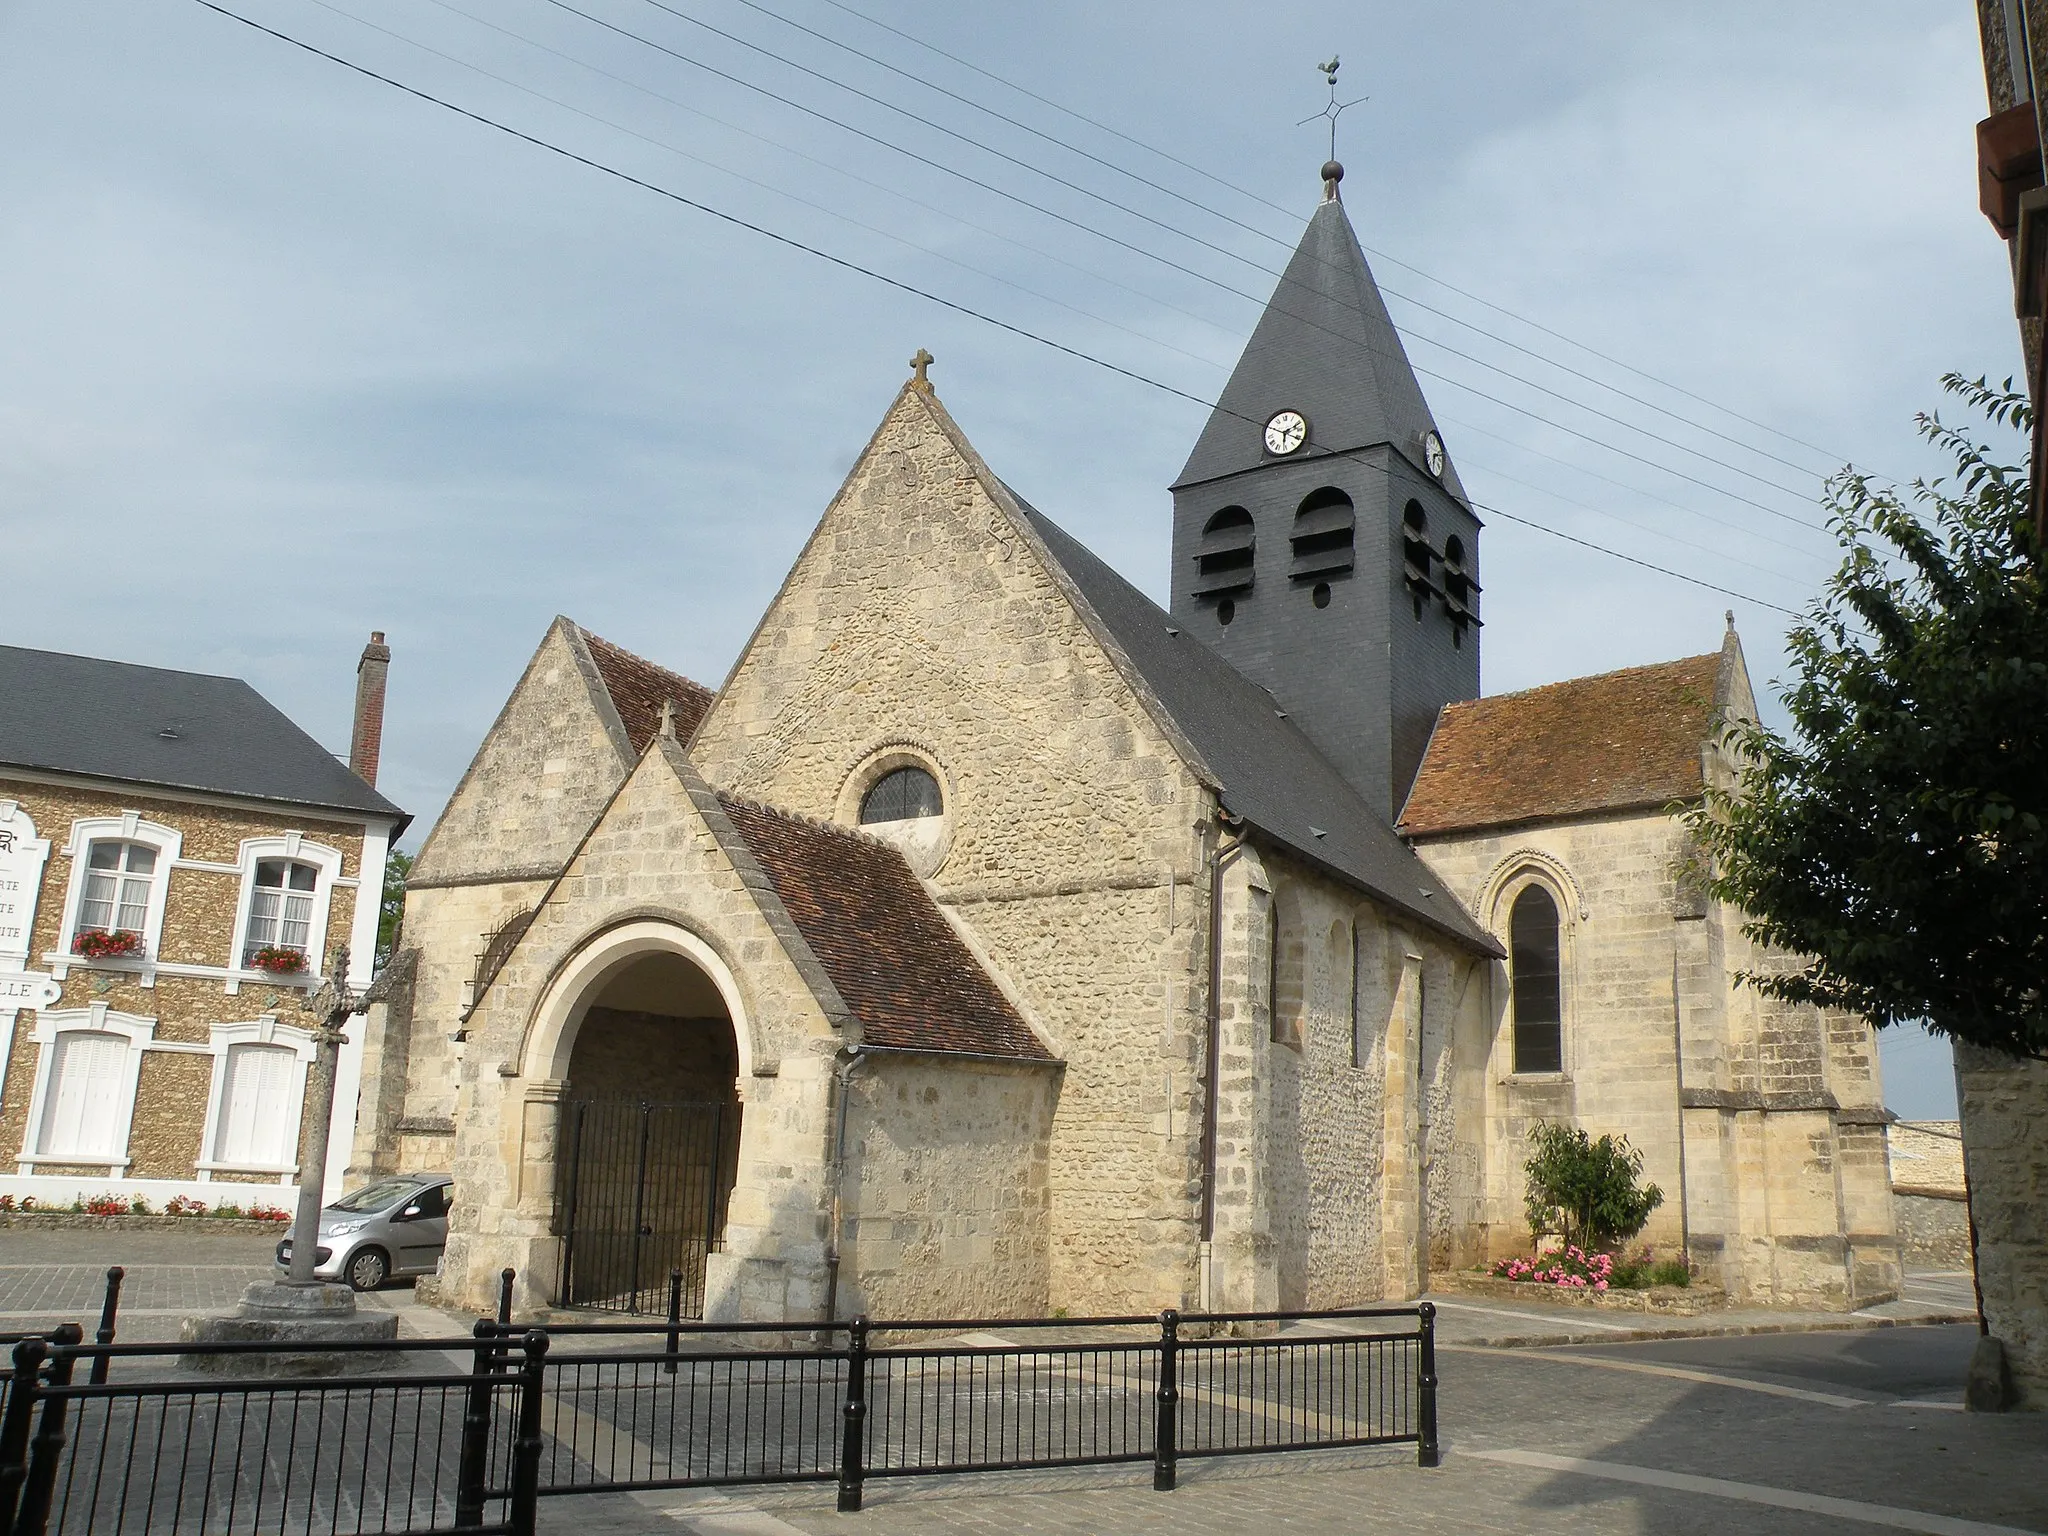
x: 650, y: 1135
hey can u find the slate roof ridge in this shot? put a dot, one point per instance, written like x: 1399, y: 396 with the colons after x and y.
x: 170, y: 728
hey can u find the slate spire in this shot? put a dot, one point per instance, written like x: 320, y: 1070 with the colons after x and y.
x: 1327, y: 348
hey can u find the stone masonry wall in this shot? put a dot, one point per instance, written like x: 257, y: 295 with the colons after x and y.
x: 1784, y: 1195
x: 946, y: 1189
x: 919, y: 619
x: 200, y: 912
x: 2004, y: 1106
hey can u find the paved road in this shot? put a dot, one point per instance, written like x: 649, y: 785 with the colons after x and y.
x: 1784, y: 1435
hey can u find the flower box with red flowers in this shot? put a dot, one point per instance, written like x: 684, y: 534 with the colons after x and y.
x: 278, y: 960
x: 107, y: 944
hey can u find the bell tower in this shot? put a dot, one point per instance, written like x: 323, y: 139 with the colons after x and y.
x: 1321, y: 539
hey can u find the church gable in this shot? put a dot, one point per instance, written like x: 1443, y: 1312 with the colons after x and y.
x: 579, y: 717
x: 922, y: 626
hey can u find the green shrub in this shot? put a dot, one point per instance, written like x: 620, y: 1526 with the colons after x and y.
x: 1585, y: 1190
x: 1646, y: 1270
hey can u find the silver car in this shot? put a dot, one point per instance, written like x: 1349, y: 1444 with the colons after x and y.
x: 392, y: 1227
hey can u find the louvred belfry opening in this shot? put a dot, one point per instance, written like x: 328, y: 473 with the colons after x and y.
x: 1224, y: 562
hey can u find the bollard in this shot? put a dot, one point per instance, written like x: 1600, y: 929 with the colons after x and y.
x: 473, y: 1469
x: 1427, y: 1452
x: 16, y: 1422
x: 505, y: 1278
x: 47, y: 1448
x: 675, y: 1318
x: 108, y: 1308
x: 1166, y: 1445
x: 852, y: 1443
x: 524, y: 1511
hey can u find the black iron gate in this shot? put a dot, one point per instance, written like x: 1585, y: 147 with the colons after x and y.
x: 642, y: 1195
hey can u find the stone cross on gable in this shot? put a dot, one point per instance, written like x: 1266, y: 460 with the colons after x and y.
x: 921, y: 361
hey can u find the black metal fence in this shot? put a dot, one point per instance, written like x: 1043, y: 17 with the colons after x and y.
x: 522, y: 1415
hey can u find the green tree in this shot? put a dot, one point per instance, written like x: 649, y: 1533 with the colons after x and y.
x: 1895, y: 839
x: 391, y: 910
x: 1584, y: 1189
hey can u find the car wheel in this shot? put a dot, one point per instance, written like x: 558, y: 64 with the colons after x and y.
x: 367, y: 1269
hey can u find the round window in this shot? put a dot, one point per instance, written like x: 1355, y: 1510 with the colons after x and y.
x: 902, y: 794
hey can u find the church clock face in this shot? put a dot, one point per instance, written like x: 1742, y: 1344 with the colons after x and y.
x: 1287, y: 431
x: 1433, y: 454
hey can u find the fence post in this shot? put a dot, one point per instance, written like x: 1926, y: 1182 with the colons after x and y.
x: 852, y: 1443
x: 1427, y: 1451
x: 1166, y: 1445
x: 526, y: 1450
x: 105, y: 1336
x: 473, y: 1470
x: 47, y: 1448
x: 675, y: 1318
x: 29, y: 1355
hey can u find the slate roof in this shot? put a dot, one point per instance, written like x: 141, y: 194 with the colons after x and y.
x: 1271, y: 774
x: 638, y: 687
x: 1326, y: 347
x: 1618, y: 741
x: 893, y: 957
x: 172, y: 730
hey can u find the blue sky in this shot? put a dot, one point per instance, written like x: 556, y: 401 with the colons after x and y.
x: 286, y: 355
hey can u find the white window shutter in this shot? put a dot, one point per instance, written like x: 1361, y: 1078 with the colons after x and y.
x: 255, y: 1113
x: 81, y: 1111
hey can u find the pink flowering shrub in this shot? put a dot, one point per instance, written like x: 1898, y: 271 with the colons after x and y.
x: 1571, y: 1267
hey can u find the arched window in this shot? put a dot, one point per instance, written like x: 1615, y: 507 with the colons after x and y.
x: 1533, y: 951
x: 1322, y: 536
x: 1223, y: 560
x: 902, y: 794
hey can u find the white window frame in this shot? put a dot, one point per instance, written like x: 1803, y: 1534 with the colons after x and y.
x: 97, y: 1019
x: 128, y: 827
x: 260, y: 1031
x: 298, y: 849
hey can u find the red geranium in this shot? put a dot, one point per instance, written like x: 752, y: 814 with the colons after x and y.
x: 106, y: 943
x: 278, y: 960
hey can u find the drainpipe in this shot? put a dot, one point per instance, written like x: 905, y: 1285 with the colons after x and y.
x: 850, y: 1061
x: 1211, y: 1073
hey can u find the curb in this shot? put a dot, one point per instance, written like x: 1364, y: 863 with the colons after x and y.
x: 1848, y: 1324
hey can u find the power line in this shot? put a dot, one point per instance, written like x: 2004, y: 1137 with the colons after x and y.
x: 1109, y: 202
x: 662, y: 144
x: 1455, y: 383
x: 1261, y: 198
x: 896, y: 283
x: 1263, y: 234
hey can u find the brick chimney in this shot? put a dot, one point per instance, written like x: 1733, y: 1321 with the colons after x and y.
x: 366, y: 742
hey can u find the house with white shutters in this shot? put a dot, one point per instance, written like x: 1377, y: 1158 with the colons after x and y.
x: 179, y: 866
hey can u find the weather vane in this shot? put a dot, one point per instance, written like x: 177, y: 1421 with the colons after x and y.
x: 1333, y: 108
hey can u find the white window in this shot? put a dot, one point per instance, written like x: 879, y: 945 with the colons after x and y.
x: 256, y: 1112
x: 87, y: 1064
x: 280, y: 908
x: 114, y: 903
x: 118, y: 880
x: 82, y: 1110
x: 259, y: 1086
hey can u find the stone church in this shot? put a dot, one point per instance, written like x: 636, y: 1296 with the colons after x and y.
x: 994, y: 941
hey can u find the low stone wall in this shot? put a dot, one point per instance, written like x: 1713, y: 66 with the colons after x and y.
x: 1934, y: 1226
x: 1670, y: 1300
x: 60, y: 1221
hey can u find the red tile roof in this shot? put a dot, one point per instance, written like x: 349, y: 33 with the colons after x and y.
x: 1606, y: 743
x: 901, y: 968
x: 638, y: 687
